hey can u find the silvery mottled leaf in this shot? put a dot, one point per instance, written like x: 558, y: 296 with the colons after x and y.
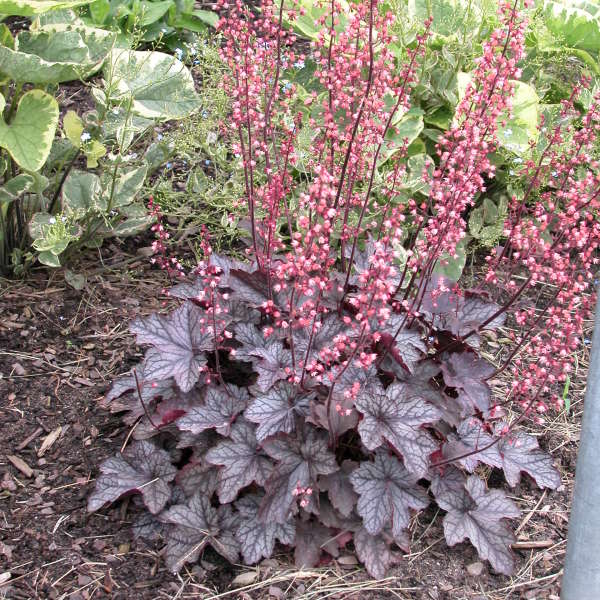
x: 200, y: 442
x: 477, y: 514
x: 257, y: 539
x: 311, y: 539
x: 397, y: 418
x: 404, y: 345
x: 275, y: 411
x: 340, y: 491
x: 472, y: 437
x: 241, y: 459
x: 520, y: 452
x: 268, y: 356
x: 196, y: 525
x: 300, y: 461
x: 142, y: 468
x: 252, y: 288
x: 179, y: 341
x: 337, y: 422
x: 115, y: 401
x: 325, y: 330
x: 387, y: 492
x: 373, y: 552
x: 466, y: 373
x: 218, y: 410
x: 197, y: 477
x: 147, y: 526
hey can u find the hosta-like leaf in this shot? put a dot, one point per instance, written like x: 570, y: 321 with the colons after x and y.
x: 196, y: 525
x: 387, y: 492
x: 241, y: 459
x: 397, y: 418
x: 218, y: 410
x: 28, y: 8
x: 142, y: 468
x: 520, y: 452
x: 339, y: 488
x: 477, y: 514
x: 373, y: 552
x: 276, y: 410
x: 472, y: 437
x: 179, y: 341
x: 300, y: 461
x: 257, y: 538
x: 159, y: 85
x: 28, y: 137
x: 467, y: 373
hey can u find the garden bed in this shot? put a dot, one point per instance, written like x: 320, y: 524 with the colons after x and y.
x: 60, y: 349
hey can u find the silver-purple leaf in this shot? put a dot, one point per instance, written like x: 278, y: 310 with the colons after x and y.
x: 387, y: 493
x: 339, y: 488
x: 256, y: 538
x: 142, y: 468
x: 467, y: 373
x: 404, y: 345
x: 275, y: 411
x: 179, y: 341
x: 300, y: 461
x: 241, y: 459
x: 520, y: 452
x: 397, y: 418
x: 197, y: 477
x: 218, y: 409
x: 373, y: 552
x: 311, y: 539
x: 196, y: 525
x: 478, y: 515
x: 472, y: 438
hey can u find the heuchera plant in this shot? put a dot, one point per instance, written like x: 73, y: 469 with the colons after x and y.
x: 319, y: 393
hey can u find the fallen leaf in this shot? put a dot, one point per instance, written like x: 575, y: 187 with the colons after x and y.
x: 245, y: 578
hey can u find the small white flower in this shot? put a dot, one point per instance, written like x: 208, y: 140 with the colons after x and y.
x: 211, y: 137
x: 299, y: 64
x: 508, y: 132
x: 179, y: 53
x: 51, y: 220
x: 85, y: 136
x: 63, y: 219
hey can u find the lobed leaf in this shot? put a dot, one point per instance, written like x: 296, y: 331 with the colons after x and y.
x: 142, y: 468
x: 397, y: 418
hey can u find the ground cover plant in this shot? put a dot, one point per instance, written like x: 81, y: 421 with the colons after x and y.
x: 320, y: 392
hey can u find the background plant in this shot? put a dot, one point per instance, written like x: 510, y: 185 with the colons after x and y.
x: 326, y: 388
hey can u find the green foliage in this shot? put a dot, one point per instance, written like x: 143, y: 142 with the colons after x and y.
x: 169, y: 23
x: 29, y: 8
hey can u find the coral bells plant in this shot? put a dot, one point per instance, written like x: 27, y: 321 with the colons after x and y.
x: 322, y: 391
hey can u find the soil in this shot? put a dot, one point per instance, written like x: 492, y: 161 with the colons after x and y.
x: 59, y: 350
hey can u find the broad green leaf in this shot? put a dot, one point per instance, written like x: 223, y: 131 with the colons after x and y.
x: 14, y: 187
x: 153, y: 11
x: 54, y: 56
x: 63, y: 15
x: 406, y: 129
x: 452, y: 266
x: 75, y: 280
x: 93, y: 150
x: 28, y: 137
x: 191, y: 23
x: 521, y: 128
x: 99, y: 11
x: 37, y: 223
x: 307, y: 25
x: 128, y: 184
x: 6, y: 38
x: 28, y: 8
x: 414, y: 180
x: 49, y: 258
x: 81, y: 193
x: 207, y: 16
x: 577, y: 22
x: 73, y: 127
x: 159, y: 85
x: 132, y: 226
